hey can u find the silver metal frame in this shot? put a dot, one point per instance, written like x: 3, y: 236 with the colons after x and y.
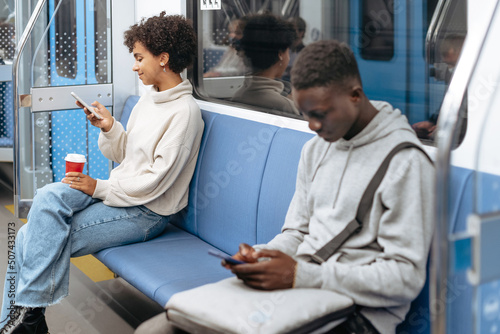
x: 446, y: 136
x: 122, y: 17
x: 59, y: 97
x: 430, y: 39
x: 19, y: 207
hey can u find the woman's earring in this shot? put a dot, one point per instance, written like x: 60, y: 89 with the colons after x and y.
x: 163, y: 65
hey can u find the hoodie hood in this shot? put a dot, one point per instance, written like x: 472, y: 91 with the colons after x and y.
x: 387, y: 121
x: 384, y: 123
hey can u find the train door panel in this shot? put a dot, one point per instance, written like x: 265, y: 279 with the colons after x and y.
x: 67, y: 50
x: 7, y: 47
x: 73, y: 62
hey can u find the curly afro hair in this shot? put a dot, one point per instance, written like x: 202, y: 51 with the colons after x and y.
x: 323, y: 63
x: 172, y: 34
x: 264, y: 36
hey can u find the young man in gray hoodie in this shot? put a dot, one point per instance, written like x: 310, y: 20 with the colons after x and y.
x: 383, y: 267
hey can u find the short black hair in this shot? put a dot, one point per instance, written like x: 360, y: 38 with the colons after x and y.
x: 172, y: 34
x: 264, y: 36
x: 323, y: 63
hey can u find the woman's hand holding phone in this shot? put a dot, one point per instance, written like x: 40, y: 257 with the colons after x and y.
x: 107, y: 120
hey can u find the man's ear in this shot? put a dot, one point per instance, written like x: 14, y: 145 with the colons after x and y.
x: 356, y: 93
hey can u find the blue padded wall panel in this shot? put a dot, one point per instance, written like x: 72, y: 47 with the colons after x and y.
x: 278, y: 182
x: 460, y: 291
x: 228, y: 185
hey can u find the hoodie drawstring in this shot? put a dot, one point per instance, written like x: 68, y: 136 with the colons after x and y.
x: 320, y: 161
x: 342, y: 176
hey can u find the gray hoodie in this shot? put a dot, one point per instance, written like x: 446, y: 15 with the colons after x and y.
x: 382, y: 268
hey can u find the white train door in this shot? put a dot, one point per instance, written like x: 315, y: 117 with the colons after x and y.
x: 65, y: 46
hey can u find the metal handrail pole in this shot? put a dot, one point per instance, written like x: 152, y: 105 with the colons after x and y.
x: 429, y: 40
x: 446, y: 136
x: 15, y: 83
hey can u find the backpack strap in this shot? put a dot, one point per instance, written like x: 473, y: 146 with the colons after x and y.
x: 364, y: 205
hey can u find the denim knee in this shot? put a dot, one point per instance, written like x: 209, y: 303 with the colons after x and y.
x: 59, y: 197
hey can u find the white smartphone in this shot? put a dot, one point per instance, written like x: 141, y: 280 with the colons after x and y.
x: 89, y: 108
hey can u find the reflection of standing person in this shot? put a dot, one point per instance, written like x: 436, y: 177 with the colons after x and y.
x: 265, y: 45
x: 450, y: 50
x: 298, y: 44
x: 231, y: 64
x: 157, y: 156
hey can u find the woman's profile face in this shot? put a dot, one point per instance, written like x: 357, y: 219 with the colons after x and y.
x: 146, y: 65
x: 285, y: 59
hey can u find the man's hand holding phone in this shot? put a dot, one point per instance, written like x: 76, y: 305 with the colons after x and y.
x: 264, y: 269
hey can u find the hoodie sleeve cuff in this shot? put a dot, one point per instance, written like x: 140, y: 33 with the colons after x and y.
x: 114, y: 131
x: 307, y: 275
x: 101, y: 189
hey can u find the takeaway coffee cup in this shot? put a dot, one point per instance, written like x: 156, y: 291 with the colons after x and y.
x: 75, y: 162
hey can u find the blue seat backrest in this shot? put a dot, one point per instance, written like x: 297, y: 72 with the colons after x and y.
x: 278, y: 182
x: 227, y: 182
x: 127, y: 109
x: 243, y: 182
x: 186, y: 219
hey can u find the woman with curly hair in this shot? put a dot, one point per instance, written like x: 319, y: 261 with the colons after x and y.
x: 157, y: 156
x: 265, y: 46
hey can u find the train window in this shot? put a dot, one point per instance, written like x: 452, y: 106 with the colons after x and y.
x: 69, y: 29
x: 241, y: 47
x: 377, y: 29
x: 101, y: 41
x: 65, y: 29
x: 7, y: 44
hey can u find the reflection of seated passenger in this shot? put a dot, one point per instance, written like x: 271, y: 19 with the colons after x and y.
x: 265, y: 46
x: 298, y: 45
x: 450, y: 50
x: 231, y: 63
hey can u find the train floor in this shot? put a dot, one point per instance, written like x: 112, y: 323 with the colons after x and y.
x: 108, y: 306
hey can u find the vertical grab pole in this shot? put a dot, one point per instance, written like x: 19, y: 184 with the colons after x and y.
x: 430, y: 38
x: 15, y: 83
x: 446, y: 136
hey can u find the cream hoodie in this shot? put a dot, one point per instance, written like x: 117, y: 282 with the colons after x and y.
x: 157, y: 153
x: 383, y: 268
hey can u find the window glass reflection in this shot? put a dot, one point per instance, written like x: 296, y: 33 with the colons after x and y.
x: 265, y: 48
x: 248, y: 49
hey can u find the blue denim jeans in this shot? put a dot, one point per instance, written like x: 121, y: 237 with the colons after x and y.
x: 63, y: 223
